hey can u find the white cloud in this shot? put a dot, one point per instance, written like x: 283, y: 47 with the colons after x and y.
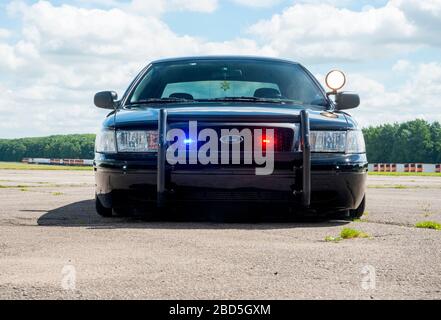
x: 418, y: 97
x: 324, y: 32
x: 425, y: 16
x: 64, y: 53
x: 155, y: 7
x: 257, y: 3
x: 336, y: 3
x: 401, y: 65
x: 194, y: 5
x: 4, y: 33
x: 8, y: 57
x: 67, y: 53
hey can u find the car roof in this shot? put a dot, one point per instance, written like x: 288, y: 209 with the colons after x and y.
x: 232, y: 58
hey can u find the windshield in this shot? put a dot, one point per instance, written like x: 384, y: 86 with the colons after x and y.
x: 217, y: 80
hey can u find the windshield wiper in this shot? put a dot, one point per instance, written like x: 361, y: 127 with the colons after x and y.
x: 247, y: 99
x: 161, y: 100
x: 224, y: 99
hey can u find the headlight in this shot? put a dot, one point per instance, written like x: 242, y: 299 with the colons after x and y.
x: 137, y: 141
x: 337, y: 141
x: 355, y: 142
x: 328, y: 141
x: 105, y: 142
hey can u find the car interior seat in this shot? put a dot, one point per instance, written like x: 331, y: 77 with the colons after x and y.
x: 181, y: 95
x: 269, y: 93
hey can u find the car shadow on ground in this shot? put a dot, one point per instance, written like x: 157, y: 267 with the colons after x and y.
x: 82, y: 214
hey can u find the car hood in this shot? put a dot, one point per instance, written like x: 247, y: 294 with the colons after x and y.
x: 142, y: 117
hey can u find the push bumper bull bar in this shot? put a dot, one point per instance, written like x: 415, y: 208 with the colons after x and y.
x: 305, y: 147
x: 162, y: 145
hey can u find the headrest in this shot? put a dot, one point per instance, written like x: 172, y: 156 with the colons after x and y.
x: 267, y: 93
x: 181, y: 95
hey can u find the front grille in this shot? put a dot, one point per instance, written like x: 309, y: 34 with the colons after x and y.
x: 283, y: 136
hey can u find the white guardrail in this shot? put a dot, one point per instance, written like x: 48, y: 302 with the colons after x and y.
x: 61, y: 162
x: 404, y: 167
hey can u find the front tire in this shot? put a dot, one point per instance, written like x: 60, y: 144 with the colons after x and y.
x: 358, y: 213
x: 101, y: 210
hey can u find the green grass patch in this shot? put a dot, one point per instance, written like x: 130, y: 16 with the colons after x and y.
x: 348, y: 233
x: 404, y: 174
x: 428, y: 225
x: 332, y: 239
x: 57, y: 193
x: 26, y: 166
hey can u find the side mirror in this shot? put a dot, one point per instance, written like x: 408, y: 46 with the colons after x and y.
x: 335, y: 80
x: 346, y: 100
x: 105, y: 99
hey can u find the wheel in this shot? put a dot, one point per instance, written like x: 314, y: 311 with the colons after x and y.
x: 101, y: 210
x: 358, y: 213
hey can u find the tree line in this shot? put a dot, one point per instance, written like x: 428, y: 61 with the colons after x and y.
x: 413, y: 141
x: 73, y: 146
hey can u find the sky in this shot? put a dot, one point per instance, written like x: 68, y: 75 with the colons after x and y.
x: 54, y: 55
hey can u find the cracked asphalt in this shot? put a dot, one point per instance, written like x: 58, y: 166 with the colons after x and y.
x: 53, y: 246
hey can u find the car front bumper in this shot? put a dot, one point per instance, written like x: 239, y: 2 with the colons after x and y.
x: 337, y: 183
x: 300, y: 178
